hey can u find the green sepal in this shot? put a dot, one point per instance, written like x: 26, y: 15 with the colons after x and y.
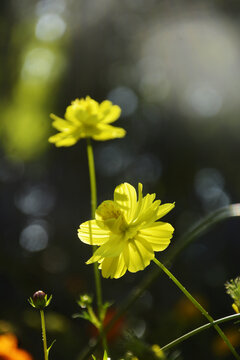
x: 104, y: 309
x: 84, y: 300
x: 48, y: 300
x: 83, y: 315
x: 90, y: 316
x: 105, y: 357
x: 30, y: 300
x: 49, y: 348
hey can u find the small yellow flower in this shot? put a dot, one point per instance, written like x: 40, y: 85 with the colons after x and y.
x: 235, y: 308
x: 158, y: 352
x: 127, y: 231
x: 86, y: 118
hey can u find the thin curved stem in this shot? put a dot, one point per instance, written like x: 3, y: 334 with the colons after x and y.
x: 93, y: 187
x: 44, y: 336
x: 198, y: 330
x: 198, y: 306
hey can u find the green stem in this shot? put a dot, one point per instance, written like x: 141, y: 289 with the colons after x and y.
x: 93, y: 316
x: 198, y: 330
x: 93, y: 187
x: 92, y: 176
x: 198, y: 306
x: 104, y: 339
x: 44, y: 337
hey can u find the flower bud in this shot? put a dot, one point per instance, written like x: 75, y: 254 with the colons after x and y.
x: 84, y: 300
x: 40, y: 300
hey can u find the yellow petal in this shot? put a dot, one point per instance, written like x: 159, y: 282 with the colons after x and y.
x: 146, y: 210
x: 60, y: 124
x: 90, y: 233
x: 75, y: 114
x: 108, y: 132
x: 137, y: 255
x: 110, y: 113
x: 158, y: 235
x: 113, y: 267
x: 164, y: 209
x: 126, y: 198
x: 91, y: 105
x: 62, y: 139
x: 113, y: 247
x: 140, y: 188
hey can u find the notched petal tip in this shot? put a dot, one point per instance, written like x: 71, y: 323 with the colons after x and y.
x: 51, y: 140
x: 165, y: 209
x: 53, y: 116
x: 89, y: 261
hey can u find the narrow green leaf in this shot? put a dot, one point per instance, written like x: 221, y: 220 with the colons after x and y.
x: 83, y: 315
x: 104, y: 309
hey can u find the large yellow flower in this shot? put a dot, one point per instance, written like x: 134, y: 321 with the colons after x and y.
x: 86, y: 118
x: 127, y: 231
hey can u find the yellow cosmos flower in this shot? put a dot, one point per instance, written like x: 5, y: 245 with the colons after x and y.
x: 127, y: 231
x: 86, y: 118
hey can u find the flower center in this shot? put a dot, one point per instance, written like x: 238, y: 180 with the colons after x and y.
x: 108, y: 210
x: 130, y: 233
x: 112, y: 216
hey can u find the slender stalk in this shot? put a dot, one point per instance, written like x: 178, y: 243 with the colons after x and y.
x: 198, y: 306
x: 44, y: 337
x: 92, y: 176
x: 198, y: 330
x: 93, y: 187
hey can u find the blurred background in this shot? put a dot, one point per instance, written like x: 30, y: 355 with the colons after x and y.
x: 174, y: 68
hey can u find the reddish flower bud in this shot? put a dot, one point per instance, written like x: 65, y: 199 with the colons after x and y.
x: 40, y: 300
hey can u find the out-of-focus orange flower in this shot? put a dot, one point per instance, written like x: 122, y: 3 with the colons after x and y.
x: 9, y: 349
x: 219, y: 347
x: 186, y: 311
